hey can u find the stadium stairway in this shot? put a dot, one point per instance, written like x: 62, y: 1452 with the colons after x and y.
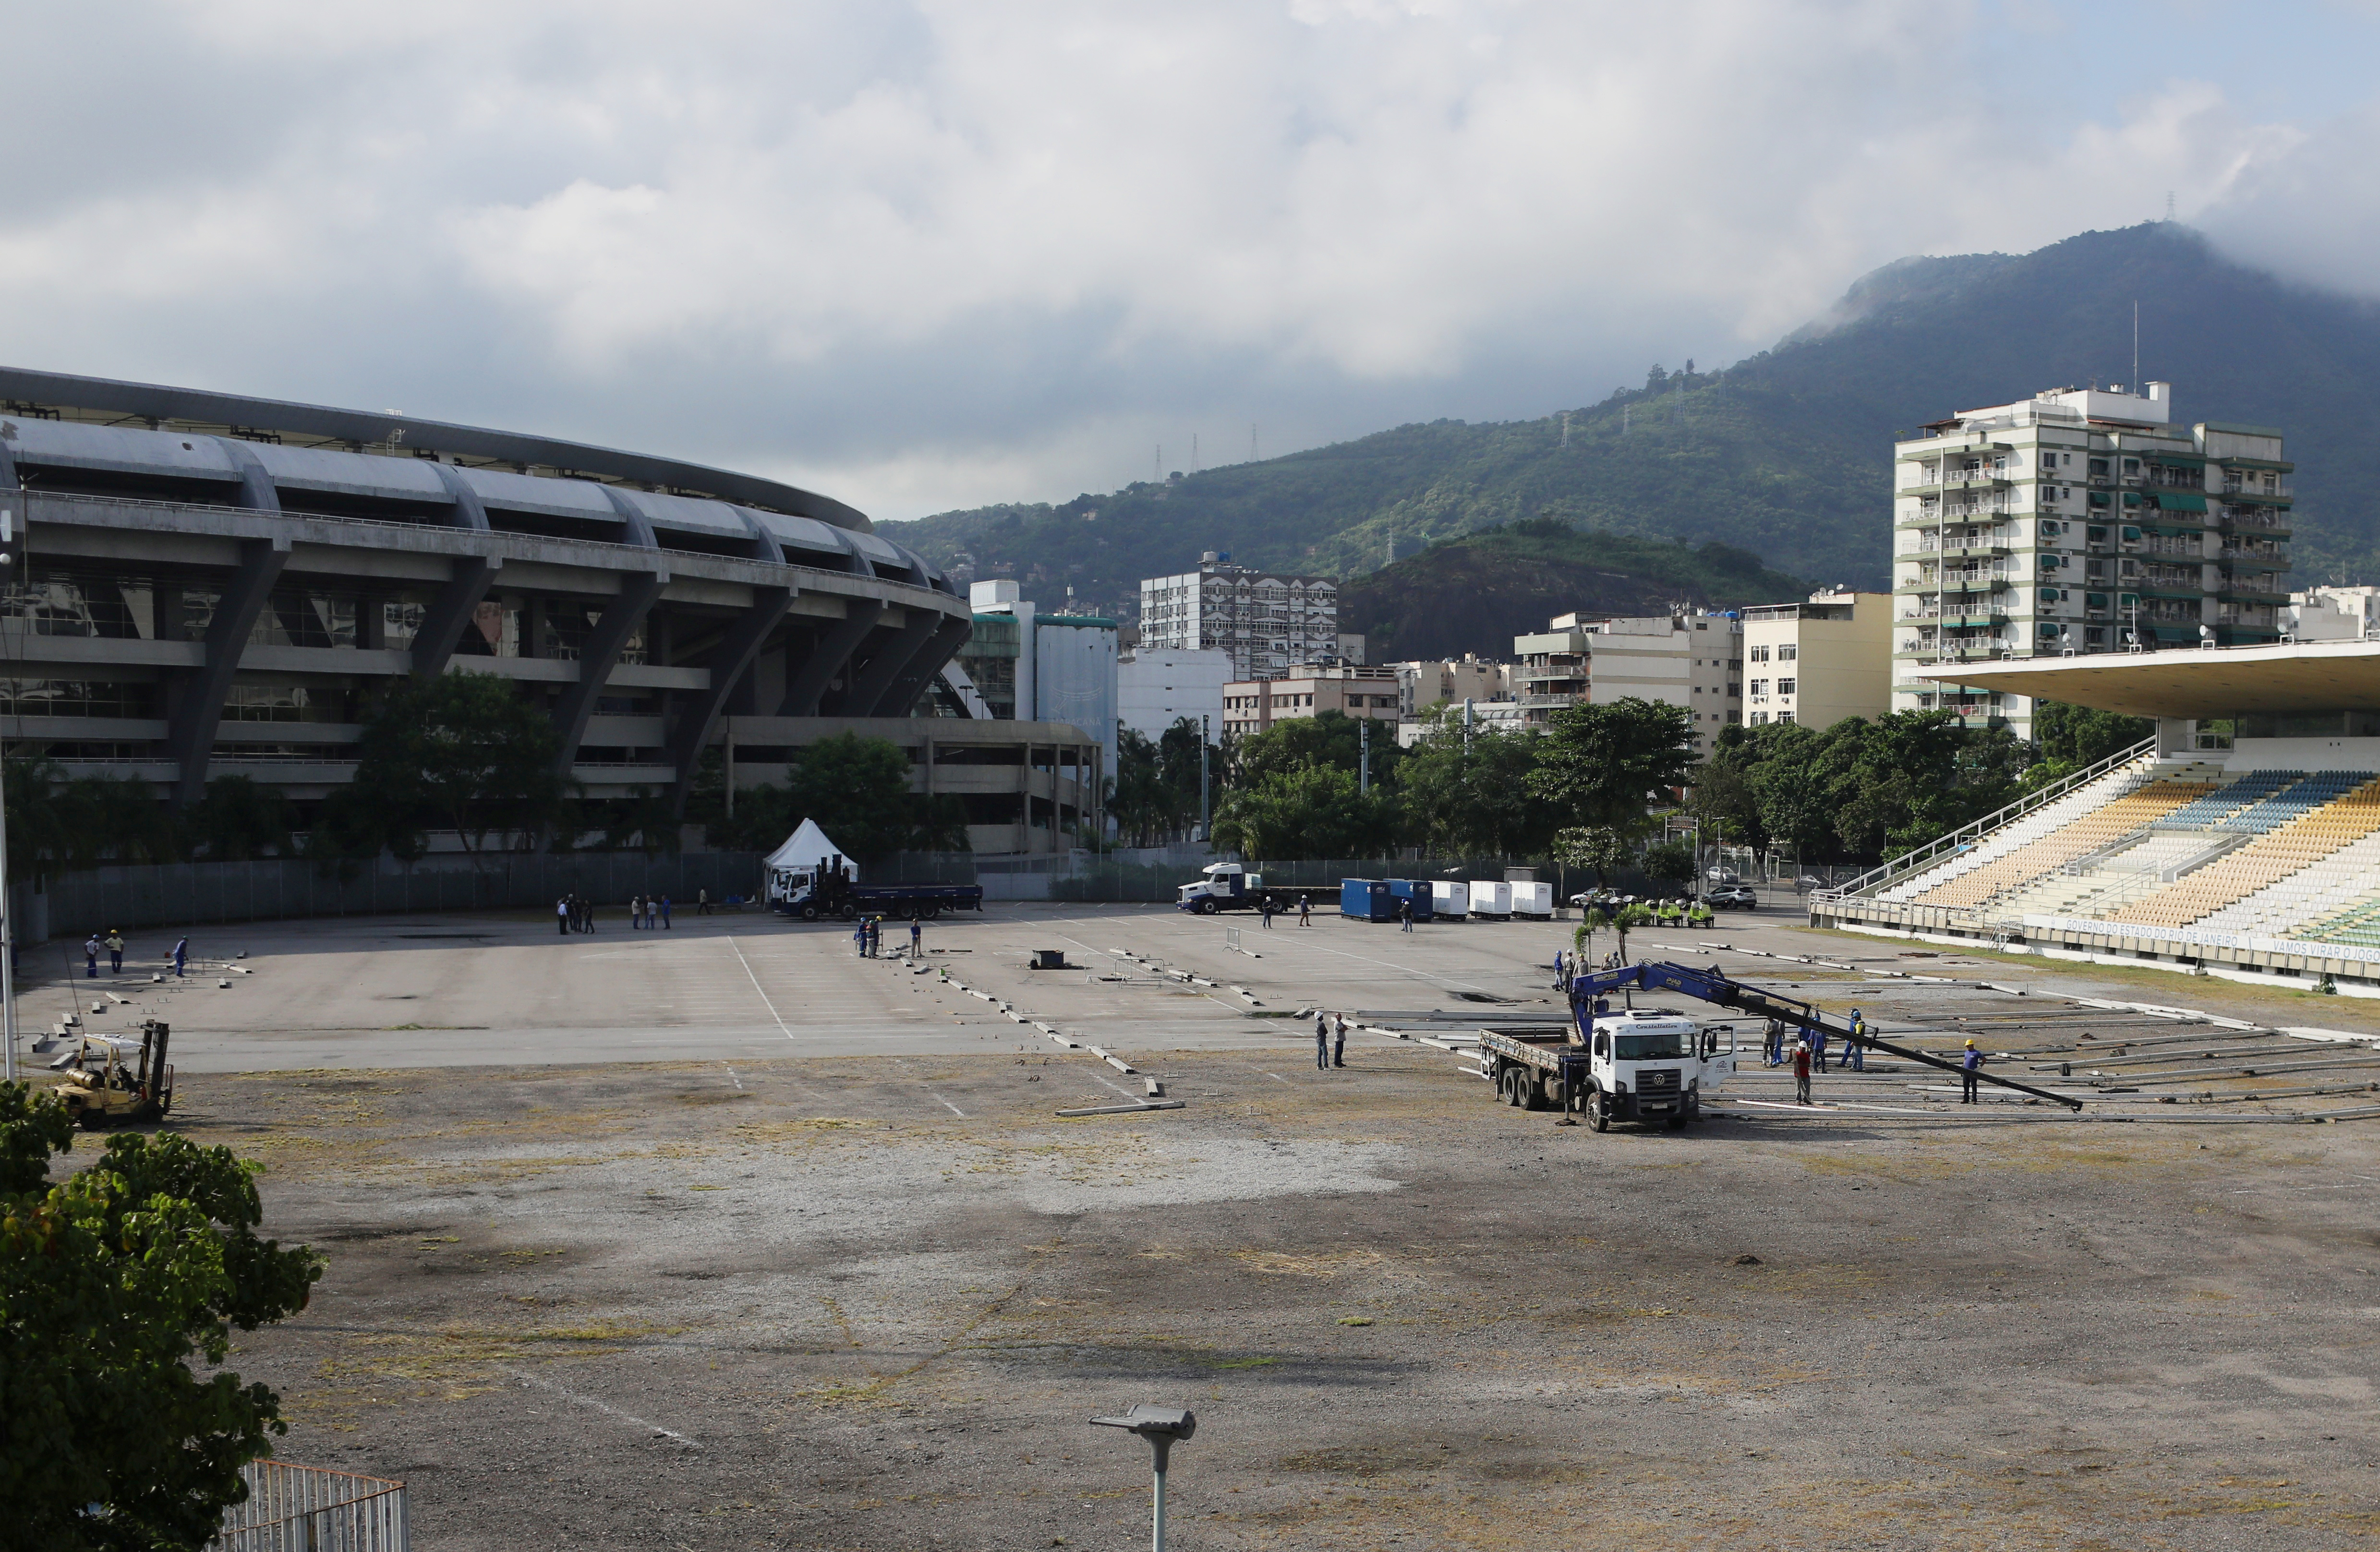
x: 2295, y: 829
x: 2073, y: 835
x: 2042, y: 822
x: 2292, y: 908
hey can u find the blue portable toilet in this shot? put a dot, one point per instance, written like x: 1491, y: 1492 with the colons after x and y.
x: 1415, y: 890
x: 1367, y: 900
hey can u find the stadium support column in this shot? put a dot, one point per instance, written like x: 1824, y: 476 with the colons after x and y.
x: 198, y: 699
x: 728, y: 663
x: 831, y: 654
x: 935, y: 649
x: 598, y: 653
x: 873, y: 682
x: 443, y: 622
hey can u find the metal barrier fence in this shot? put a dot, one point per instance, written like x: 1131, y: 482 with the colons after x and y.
x: 196, y: 893
x: 1088, y: 876
x: 308, y: 1509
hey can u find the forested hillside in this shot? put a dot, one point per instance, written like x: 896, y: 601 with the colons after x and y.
x: 1475, y: 593
x: 1785, y: 454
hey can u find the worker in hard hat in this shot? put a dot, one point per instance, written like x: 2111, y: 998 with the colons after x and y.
x: 1967, y: 1066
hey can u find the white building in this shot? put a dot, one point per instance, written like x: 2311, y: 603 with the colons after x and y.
x: 1158, y: 686
x: 2081, y: 520
x: 1064, y: 665
x: 1425, y: 683
x: 2331, y: 613
x: 1268, y: 622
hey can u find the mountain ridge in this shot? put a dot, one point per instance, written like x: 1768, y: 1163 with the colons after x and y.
x: 1785, y: 453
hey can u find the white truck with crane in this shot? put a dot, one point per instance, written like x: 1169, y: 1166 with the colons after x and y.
x: 1658, y: 1064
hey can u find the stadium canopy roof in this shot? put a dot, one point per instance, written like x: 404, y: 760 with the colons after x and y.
x: 2191, y: 683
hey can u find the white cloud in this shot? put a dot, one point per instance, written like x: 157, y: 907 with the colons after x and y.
x: 946, y: 252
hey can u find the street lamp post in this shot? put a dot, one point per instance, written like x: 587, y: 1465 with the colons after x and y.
x: 1160, y: 1427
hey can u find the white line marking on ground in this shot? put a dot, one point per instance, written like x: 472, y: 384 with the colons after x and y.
x: 1117, y: 1086
x: 948, y: 1106
x: 603, y: 1407
x: 756, y: 986
x: 733, y: 1079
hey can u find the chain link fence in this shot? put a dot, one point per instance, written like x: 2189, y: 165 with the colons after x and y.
x: 196, y: 893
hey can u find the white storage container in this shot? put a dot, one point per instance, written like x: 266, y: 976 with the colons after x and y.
x: 1449, y: 899
x: 1534, y: 900
x: 1492, y: 898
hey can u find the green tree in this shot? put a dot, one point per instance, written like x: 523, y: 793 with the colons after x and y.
x: 1332, y: 739
x: 1598, y: 848
x: 238, y: 819
x: 462, y: 751
x: 1469, y: 795
x: 1604, y: 765
x: 119, y: 1290
x: 857, y: 790
x: 1310, y: 812
x: 1722, y: 798
x: 1671, y: 862
x: 2070, y: 738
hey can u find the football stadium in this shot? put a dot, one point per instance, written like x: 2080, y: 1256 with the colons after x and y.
x: 210, y: 585
x: 2242, y: 840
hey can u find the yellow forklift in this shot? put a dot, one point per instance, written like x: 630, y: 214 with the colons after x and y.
x: 108, y: 1078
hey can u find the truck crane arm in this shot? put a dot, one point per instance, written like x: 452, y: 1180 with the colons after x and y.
x: 1713, y: 986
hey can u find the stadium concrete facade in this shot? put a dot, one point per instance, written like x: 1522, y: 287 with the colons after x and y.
x: 207, y: 585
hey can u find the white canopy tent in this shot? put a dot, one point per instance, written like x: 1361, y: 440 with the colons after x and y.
x: 807, y: 847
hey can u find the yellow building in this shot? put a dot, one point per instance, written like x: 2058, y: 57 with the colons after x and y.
x: 1820, y: 661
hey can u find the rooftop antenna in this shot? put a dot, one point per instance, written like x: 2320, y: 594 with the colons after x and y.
x: 1252, y: 442
x: 2136, y: 351
x: 1565, y: 440
x: 2168, y: 204
x: 2136, y: 340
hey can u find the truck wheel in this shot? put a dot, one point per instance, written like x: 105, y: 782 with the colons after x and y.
x: 1678, y: 1122
x: 1533, y: 1091
x: 849, y: 913
x: 1598, y: 1111
x: 1205, y: 908
x: 934, y: 912
x: 809, y: 912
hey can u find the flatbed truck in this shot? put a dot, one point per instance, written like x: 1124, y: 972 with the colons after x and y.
x: 826, y: 891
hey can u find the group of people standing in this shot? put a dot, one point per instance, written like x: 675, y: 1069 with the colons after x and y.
x: 1330, y: 1041
x: 1813, y: 1047
x: 112, y: 945
x: 575, y: 913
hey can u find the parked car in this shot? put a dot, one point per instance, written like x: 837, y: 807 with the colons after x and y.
x: 1736, y: 897
x: 1809, y: 881
x: 1725, y: 876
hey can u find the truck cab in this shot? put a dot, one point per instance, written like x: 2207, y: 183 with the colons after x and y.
x: 1654, y: 1064
x: 1221, y: 886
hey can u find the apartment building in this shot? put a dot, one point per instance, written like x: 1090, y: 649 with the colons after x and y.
x: 1818, y: 661
x: 1690, y: 660
x: 1426, y: 683
x: 1251, y: 705
x: 2081, y: 520
x: 1268, y: 622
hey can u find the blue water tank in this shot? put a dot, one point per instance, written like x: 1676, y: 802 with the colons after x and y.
x: 1415, y: 890
x: 1367, y: 900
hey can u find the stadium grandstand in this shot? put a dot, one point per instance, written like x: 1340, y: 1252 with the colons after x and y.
x: 2243, y: 839
x: 206, y: 585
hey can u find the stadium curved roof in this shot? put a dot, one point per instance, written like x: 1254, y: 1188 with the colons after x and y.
x: 296, y: 427
x: 2214, y: 682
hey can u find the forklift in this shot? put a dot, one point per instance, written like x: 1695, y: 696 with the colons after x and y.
x: 106, y: 1078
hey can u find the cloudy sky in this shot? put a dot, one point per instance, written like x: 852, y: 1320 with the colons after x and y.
x: 926, y: 255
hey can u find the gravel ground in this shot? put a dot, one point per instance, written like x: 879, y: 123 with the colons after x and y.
x: 870, y: 1302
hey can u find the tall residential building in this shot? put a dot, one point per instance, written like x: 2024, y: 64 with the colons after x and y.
x: 1036, y: 667
x: 1688, y: 660
x: 1819, y: 663
x: 1268, y: 622
x: 2081, y: 520
x: 1251, y: 705
x: 1156, y: 686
